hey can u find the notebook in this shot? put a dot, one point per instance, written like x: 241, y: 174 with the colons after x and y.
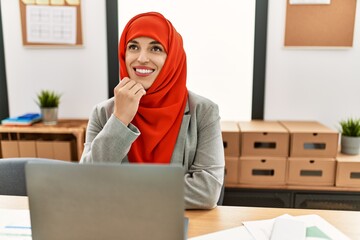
x: 23, y: 120
x: 105, y: 201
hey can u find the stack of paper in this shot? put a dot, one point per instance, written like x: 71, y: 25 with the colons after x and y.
x: 15, y: 224
x: 236, y: 233
x: 316, y: 228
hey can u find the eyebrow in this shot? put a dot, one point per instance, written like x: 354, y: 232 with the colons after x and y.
x: 152, y: 42
x: 155, y: 42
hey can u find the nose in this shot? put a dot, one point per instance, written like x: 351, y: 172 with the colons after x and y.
x: 143, y: 57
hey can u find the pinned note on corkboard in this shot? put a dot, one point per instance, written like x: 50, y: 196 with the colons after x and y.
x: 320, y: 25
x: 51, y: 22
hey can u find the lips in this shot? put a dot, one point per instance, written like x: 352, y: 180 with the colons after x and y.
x: 143, y: 71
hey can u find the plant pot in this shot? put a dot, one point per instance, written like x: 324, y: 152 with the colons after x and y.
x: 350, y: 145
x: 49, y: 116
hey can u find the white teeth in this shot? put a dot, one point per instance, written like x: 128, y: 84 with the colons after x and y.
x: 144, y: 71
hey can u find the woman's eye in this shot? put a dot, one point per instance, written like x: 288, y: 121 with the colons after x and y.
x: 157, y: 49
x: 132, y: 47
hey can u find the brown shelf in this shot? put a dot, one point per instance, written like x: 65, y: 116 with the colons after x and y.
x: 74, y: 127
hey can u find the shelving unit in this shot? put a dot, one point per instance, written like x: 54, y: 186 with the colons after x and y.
x: 35, y: 137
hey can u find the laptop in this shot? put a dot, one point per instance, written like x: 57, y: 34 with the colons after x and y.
x: 105, y: 201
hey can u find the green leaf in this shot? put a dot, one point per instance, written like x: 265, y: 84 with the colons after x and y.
x: 350, y: 127
x: 47, y: 99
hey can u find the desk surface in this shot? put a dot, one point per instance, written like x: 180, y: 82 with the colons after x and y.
x: 224, y: 217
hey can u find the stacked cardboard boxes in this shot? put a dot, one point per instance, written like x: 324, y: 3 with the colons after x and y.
x: 313, y: 149
x: 54, y: 150
x: 231, y: 140
x: 302, y: 153
x: 15, y: 146
x: 264, y: 149
x: 348, y: 170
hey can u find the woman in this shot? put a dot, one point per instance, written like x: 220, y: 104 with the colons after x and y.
x: 153, y: 118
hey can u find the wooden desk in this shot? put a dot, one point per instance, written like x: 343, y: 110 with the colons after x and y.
x: 223, y: 217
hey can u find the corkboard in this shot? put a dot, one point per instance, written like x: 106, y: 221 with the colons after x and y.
x: 78, y: 37
x: 329, y: 25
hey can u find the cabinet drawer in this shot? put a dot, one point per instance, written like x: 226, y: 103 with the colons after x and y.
x: 330, y: 201
x: 243, y: 197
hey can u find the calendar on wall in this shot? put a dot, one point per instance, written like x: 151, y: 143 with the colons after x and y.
x: 51, y: 22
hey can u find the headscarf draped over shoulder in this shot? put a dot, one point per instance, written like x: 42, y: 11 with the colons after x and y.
x: 161, y: 110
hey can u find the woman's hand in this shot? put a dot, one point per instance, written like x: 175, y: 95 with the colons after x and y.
x: 127, y: 97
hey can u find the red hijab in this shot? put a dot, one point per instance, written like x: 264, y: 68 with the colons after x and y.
x: 161, y: 110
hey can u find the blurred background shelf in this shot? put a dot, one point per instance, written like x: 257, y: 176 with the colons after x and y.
x: 64, y: 141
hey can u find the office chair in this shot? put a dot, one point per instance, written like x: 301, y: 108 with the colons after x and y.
x: 12, y: 174
x: 222, y: 193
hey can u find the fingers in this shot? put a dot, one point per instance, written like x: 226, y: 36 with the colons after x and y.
x: 121, y: 84
x: 137, y: 89
x: 127, y: 83
x: 127, y: 95
x: 130, y: 87
x: 124, y: 81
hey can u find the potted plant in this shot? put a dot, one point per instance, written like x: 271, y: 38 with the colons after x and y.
x: 48, y: 101
x: 350, y: 136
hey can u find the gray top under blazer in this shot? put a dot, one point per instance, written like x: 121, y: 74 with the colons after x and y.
x: 199, y: 147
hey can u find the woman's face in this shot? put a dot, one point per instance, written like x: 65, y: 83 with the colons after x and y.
x: 144, y: 59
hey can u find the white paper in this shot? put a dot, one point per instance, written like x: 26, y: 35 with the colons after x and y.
x: 46, y: 2
x: 237, y: 233
x: 15, y: 224
x: 51, y: 24
x: 285, y: 229
x: 28, y: 1
x: 310, y: 1
x: 323, y: 225
x: 57, y: 2
x: 261, y: 230
x: 73, y: 2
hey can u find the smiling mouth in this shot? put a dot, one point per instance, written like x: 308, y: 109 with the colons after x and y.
x: 143, y: 72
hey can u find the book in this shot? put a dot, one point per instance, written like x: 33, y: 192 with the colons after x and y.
x: 24, y: 120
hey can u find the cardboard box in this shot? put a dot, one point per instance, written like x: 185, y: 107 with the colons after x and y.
x: 311, y: 171
x: 27, y: 148
x: 264, y: 138
x: 231, y: 138
x: 60, y: 150
x: 45, y: 149
x: 265, y: 171
x: 231, y: 169
x: 348, y: 170
x: 9, y: 149
x: 311, y: 139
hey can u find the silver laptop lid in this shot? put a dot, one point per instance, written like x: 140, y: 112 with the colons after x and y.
x: 105, y: 201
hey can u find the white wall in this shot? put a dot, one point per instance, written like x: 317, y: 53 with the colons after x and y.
x: 310, y: 84
x: 219, y: 42
x: 301, y: 84
x: 80, y: 74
